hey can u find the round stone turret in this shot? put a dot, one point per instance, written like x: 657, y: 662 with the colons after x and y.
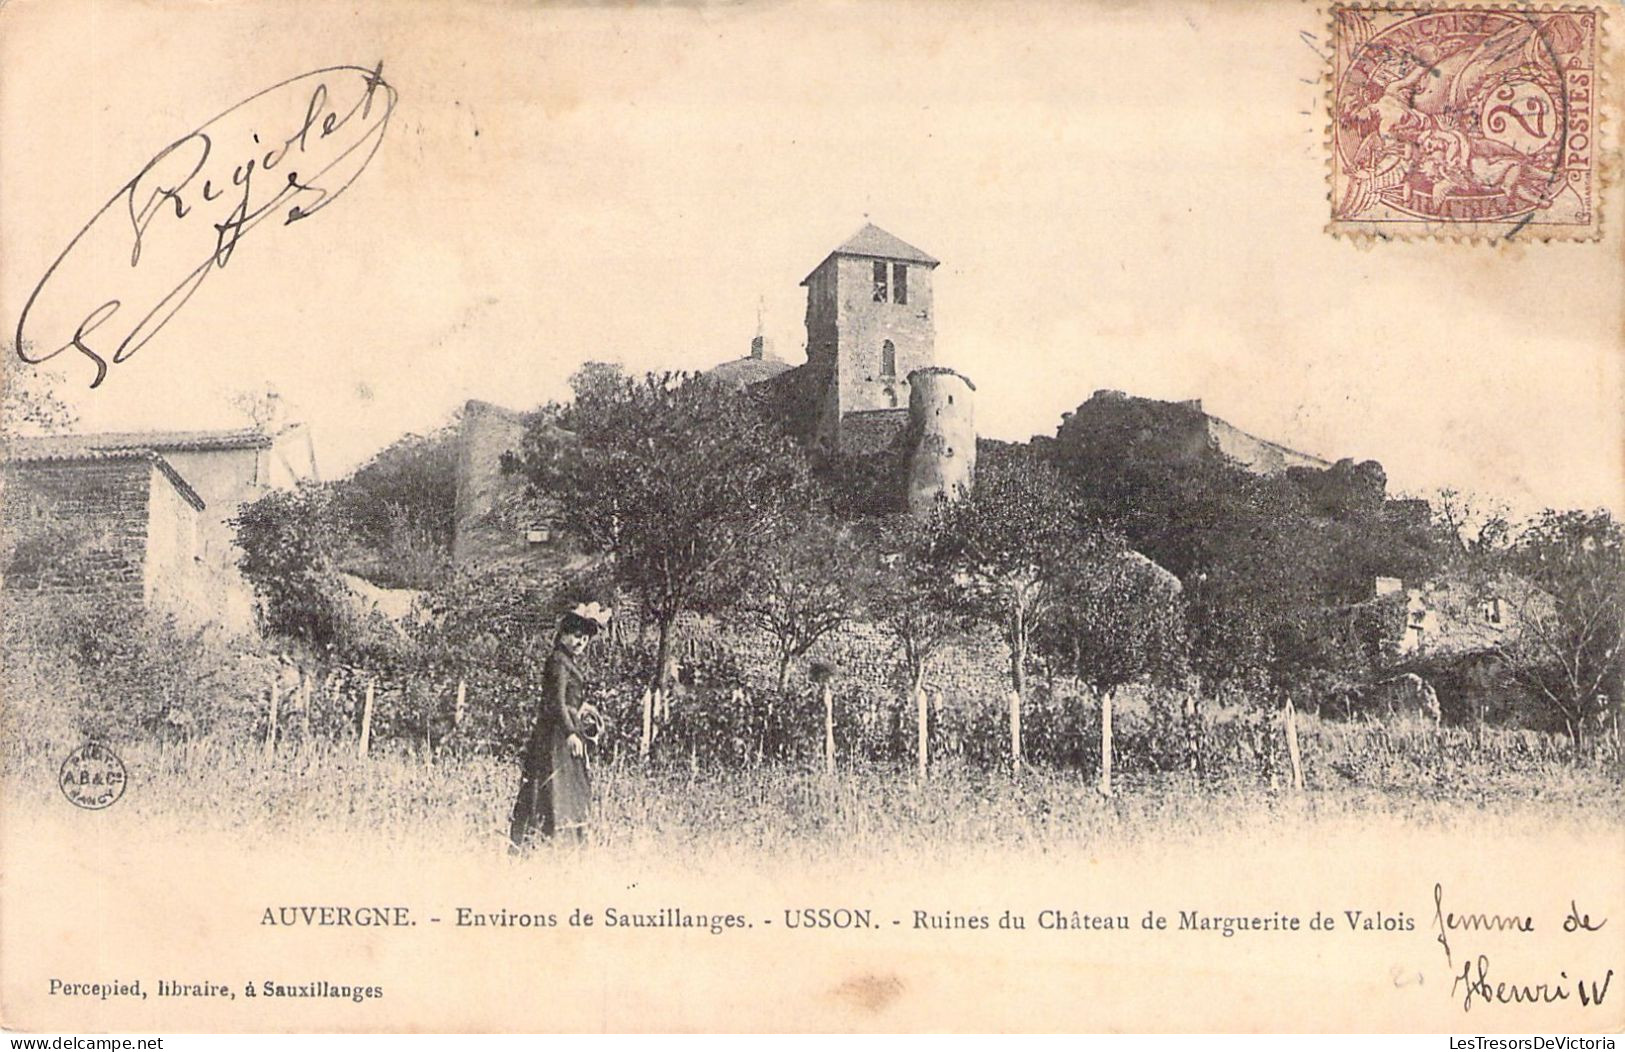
x: 942, y: 419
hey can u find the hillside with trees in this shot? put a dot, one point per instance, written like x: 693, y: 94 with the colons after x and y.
x: 1118, y: 554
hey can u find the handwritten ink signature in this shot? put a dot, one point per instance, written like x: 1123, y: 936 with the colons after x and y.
x: 1445, y: 922
x: 183, y: 216
x: 1472, y: 980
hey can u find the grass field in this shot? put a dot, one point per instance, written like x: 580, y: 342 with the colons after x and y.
x: 321, y: 791
x: 210, y: 834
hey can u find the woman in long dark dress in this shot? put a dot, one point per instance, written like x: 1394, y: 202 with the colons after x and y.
x: 555, y: 794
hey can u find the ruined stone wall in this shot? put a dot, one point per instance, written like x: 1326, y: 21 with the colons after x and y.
x: 1113, y: 423
x: 975, y: 670
x: 126, y: 527
x: 495, y: 520
x: 484, y: 534
x: 1257, y: 455
x: 77, y: 527
x: 873, y: 430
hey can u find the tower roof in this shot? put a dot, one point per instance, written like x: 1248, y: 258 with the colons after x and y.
x: 877, y: 243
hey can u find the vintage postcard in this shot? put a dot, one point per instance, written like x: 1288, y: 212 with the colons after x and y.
x: 805, y: 516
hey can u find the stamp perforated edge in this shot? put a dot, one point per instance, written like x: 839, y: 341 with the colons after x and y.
x: 1464, y: 233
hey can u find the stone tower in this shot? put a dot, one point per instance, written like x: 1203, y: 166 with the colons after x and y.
x: 869, y: 327
x: 942, y: 423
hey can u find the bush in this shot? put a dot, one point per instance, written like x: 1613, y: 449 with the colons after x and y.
x: 97, y: 667
x: 93, y: 668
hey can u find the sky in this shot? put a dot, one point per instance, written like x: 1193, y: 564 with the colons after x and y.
x: 1124, y: 197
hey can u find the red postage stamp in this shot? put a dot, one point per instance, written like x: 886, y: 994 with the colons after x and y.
x: 1465, y: 122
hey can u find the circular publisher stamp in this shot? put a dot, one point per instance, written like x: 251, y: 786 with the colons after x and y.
x: 92, y: 777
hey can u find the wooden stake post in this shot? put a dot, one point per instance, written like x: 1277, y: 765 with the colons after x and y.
x: 829, y: 728
x: 428, y: 725
x: 923, y: 727
x: 648, y: 724
x: 1015, y: 732
x: 1106, y: 744
x: 366, y: 720
x: 1190, y: 734
x: 270, y: 723
x: 1292, y: 746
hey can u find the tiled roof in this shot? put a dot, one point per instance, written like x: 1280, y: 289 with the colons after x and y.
x: 89, y: 456
x: 873, y: 241
x: 743, y: 372
x: 53, y: 447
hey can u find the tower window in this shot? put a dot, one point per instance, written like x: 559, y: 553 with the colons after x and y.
x: 899, y: 282
x: 880, y: 282
x: 888, y: 359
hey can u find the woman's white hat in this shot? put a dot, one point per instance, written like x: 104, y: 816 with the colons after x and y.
x: 597, y: 614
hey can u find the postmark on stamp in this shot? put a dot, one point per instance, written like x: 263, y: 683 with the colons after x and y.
x: 92, y: 777
x: 1465, y: 122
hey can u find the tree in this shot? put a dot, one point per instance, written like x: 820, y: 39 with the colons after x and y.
x: 1009, y: 545
x: 264, y: 407
x: 1145, y: 469
x: 1272, y: 564
x: 287, y: 555
x: 30, y: 399
x: 490, y: 628
x: 908, y: 594
x: 800, y: 586
x: 1567, y: 640
x: 1120, y: 619
x: 674, y: 477
x: 1316, y: 651
x: 1271, y: 607
x: 416, y: 474
x: 1472, y: 527
x: 863, y: 485
x: 399, y: 510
